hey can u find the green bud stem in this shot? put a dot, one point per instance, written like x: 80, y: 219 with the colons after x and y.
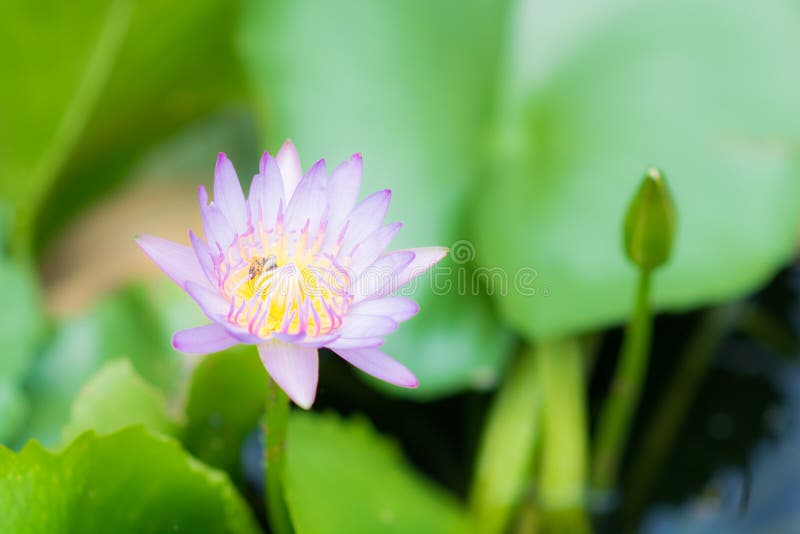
x: 620, y: 406
x: 275, y: 426
x: 563, y: 461
x: 671, y: 410
x: 503, y: 467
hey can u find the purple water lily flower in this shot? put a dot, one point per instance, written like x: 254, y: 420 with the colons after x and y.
x: 296, y: 266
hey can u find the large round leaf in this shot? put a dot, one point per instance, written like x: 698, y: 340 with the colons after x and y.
x: 56, y: 60
x: 130, y: 481
x: 175, y: 64
x: 124, y: 325
x: 227, y: 396
x: 343, y: 477
x: 703, y: 90
x: 116, y: 397
x: 408, y: 85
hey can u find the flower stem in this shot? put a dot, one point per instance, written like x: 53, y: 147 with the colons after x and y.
x: 671, y: 411
x: 620, y: 406
x: 563, y: 462
x: 507, y: 447
x: 277, y: 417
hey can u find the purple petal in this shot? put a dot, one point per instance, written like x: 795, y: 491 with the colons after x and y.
x: 355, y: 326
x: 289, y: 164
x: 216, y: 227
x: 378, y: 364
x: 398, y: 309
x: 380, y: 277
x: 266, y: 192
x: 309, y: 200
x: 424, y: 259
x: 368, y: 250
x: 343, y: 187
x: 355, y: 343
x: 179, y: 262
x: 228, y: 194
x: 295, y: 369
x: 307, y: 341
x: 203, y: 339
x: 365, y: 219
x: 212, y: 303
x: 204, y: 257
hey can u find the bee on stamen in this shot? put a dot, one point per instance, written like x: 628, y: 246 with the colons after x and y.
x: 260, y: 265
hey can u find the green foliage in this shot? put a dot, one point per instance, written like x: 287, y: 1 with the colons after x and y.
x: 343, y: 477
x: 129, y: 481
x: 94, y: 87
x: 116, y: 397
x: 175, y: 64
x: 14, y: 409
x: 226, y: 400
x: 650, y: 223
x: 60, y: 61
x: 679, y: 84
x: 21, y: 325
x: 124, y: 325
x: 510, y: 439
x: 407, y: 84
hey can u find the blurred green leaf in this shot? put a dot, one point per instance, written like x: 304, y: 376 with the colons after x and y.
x: 343, y: 477
x: 130, y: 481
x: 124, y: 325
x: 56, y: 62
x: 409, y: 86
x: 227, y: 397
x: 21, y: 319
x: 14, y: 409
x: 707, y: 93
x: 21, y: 327
x: 175, y: 64
x: 116, y: 397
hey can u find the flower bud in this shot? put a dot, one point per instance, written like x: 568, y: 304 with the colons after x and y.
x: 650, y: 223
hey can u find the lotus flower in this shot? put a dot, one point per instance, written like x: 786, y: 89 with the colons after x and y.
x: 297, y: 266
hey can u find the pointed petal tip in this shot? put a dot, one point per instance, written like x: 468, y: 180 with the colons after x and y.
x: 302, y: 398
x: 294, y: 368
x: 287, y: 150
x: 204, y: 339
x: 262, y: 163
x: 306, y: 405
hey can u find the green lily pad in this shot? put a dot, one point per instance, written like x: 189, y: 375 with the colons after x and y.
x: 129, y: 481
x: 116, y: 397
x: 226, y: 400
x: 21, y: 326
x: 14, y: 409
x: 341, y: 476
x: 407, y: 85
x: 61, y: 59
x: 705, y: 92
x: 125, y: 325
x: 176, y: 64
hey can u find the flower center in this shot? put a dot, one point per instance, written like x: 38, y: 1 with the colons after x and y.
x: 278, y: 281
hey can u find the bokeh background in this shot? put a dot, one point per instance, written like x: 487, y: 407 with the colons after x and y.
x: 517, y: 129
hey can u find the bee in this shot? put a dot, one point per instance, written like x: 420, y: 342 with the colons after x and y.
x: 260, y: 265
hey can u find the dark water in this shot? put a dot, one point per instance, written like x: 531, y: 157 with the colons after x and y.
x: 732, y: 466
